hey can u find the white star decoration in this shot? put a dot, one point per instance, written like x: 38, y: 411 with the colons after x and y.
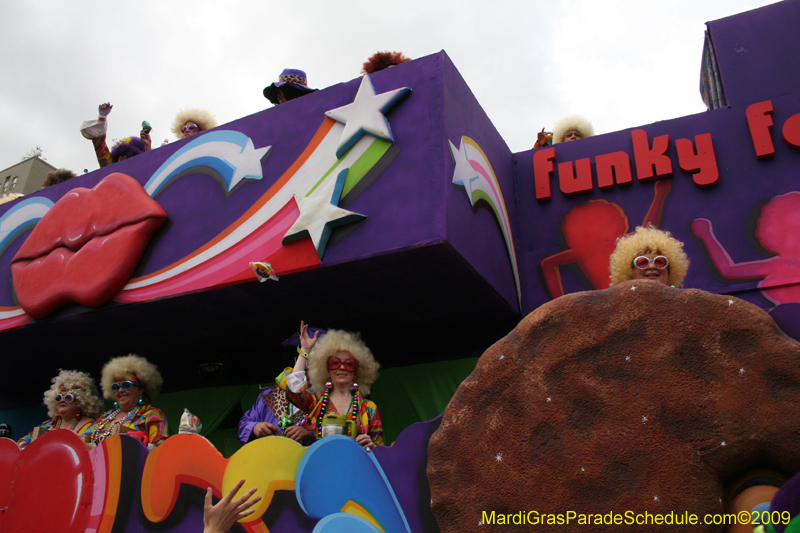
x: 741, y: 371
x: 365, y: 115
x: 247, y: 163
x: 627, y: 357
x: 730, y: 302
x: 633, y: 287
x: 724, y: 443
x: 655, y: 498
x: 502, y: 357
x: 320, y: 213
x: 498, y: 457
x: 644, y: 419
x: 548, y: 399
x: 583, y: 469
x: 464, y: 174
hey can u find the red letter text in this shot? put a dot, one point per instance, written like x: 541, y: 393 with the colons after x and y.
x: 647, y: 159
x: 703, y: 164
x: 759, y: 119
x: 542, y: 169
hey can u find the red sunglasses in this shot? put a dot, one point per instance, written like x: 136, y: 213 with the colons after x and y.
x: 334, y: 363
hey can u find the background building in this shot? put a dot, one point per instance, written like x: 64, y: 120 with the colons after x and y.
x: 25, y: 177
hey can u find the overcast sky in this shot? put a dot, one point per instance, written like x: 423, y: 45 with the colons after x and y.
x: 622, y: 64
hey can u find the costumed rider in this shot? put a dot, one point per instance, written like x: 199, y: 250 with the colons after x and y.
x: 72, y: 404
x: 95, y: 131
x: 341, y: 370
x: 191, y: 121
x: 132, y: 382
x: 383, y: 60
x: 572, y: 128
x: 291, y: 84
x: 649, y: 254
x: 57, y: 176
x: 273, y: 413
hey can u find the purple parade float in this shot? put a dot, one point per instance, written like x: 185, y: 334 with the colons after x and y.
x: 390, y: 205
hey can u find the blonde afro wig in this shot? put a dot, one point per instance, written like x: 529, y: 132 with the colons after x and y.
x: 203, y: 118
x: 145, y: 371
x: 633, y: 245
x: 9, y: 197
x: 572, y: 122
x: 81, y: 385
x: 342, y: 341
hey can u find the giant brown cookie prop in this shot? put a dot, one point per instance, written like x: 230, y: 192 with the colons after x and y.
x: 638, y: 398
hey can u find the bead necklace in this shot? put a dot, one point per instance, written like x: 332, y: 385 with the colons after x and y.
x: 58, y: 423
x: 99, y: 431
x: 326, y: 397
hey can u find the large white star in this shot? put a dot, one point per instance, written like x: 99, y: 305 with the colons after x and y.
x: 365, y: 115
x: 464, y: 174
x: 320, y: 213
x: 247, y: 164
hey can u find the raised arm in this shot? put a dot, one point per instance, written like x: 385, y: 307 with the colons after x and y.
x: 307, y: 343
x: 95, y: 131
x: 754, y: 269
x: 653, y: 215
x: 103, y: 111
x: 144, y: 135
x: 552, y: 275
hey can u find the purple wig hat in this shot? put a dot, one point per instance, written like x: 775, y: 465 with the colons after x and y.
x: 129, y: 146
x: 292, y: 83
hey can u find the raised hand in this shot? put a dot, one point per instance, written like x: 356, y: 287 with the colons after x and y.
x: 306, y: 341
x: 220, y: 518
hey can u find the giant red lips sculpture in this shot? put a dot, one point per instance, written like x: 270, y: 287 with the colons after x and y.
x: 86, y: 247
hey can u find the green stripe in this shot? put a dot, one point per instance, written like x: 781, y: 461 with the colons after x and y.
x: 365, y: 163
x: 360, y: 168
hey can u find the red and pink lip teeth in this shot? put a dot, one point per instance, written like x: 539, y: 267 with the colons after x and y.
x: 86, y: 247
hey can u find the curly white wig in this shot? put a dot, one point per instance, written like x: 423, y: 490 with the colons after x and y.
x: 342, y: 341
x: 82, y: 387
x: 145, y: 371
x: 572, y: 122
x: 202, y: 117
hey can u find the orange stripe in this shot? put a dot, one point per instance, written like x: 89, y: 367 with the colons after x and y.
x: 113, y: 481
x: 323, y: 130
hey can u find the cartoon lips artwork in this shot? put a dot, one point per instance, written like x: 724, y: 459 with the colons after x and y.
x: 86, y: 247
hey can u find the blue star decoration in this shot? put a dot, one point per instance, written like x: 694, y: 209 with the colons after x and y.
x: 320, y: 213
x: 366, y: 115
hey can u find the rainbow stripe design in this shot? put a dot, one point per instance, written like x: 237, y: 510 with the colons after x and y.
x: 257, y: 235
x: 474, y: 172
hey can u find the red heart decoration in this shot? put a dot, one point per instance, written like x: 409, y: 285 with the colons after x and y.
x: 47, y: 486
x: 9, y: 452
